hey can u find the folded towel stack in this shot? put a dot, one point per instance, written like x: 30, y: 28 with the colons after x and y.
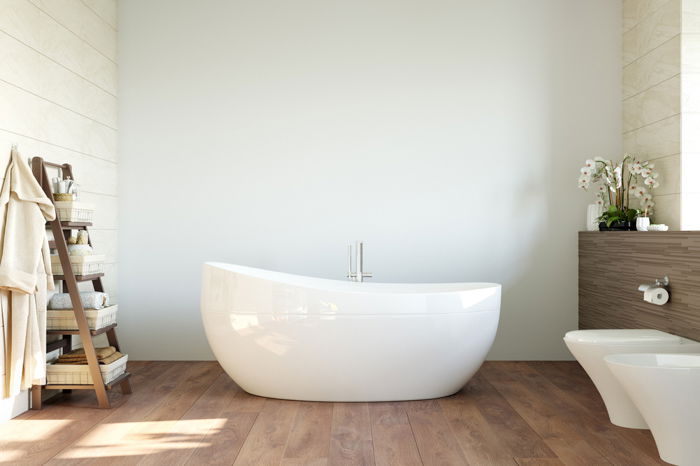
x: 104, y: 356
x: 90, y: 300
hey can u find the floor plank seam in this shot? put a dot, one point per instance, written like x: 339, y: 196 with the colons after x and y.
x: 539, y: 436
x: 289, y: 434
x: 330, y: 436
x: 371, y: 432
x: 252, y: 426
x: 413, y: 433
x: 257, y: 415
x: 189, y: 456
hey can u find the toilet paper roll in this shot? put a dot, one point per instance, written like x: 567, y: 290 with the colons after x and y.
x: 658, y: 296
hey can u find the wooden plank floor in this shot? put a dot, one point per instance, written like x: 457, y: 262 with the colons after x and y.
x: 510, y: 413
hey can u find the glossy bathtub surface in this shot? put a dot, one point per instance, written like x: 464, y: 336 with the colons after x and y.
x: 287, y: 336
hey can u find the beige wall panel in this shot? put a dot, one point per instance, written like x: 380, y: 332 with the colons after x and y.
x: 668, y: 210
x: 669, y: 169
x: 653, y: 68
x: 652, y: 31
x: 656, y: 140
x: 27, y: 23
x: 79, y: 19
x: 652, y: 105
x: 28, y: 69
x: 32, y: 116
x: 106, y: 10
x: 634, y: 11
x: 95, y: 175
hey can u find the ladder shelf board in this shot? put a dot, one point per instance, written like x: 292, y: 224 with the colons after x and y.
x: 98, y: 331
x: 108, y: 385
x: 82, y: 278
x: 73, y: 225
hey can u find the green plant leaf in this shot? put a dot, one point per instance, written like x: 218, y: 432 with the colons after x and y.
x: 610, y: 221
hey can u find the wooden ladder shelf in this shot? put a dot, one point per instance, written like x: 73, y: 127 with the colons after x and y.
x: 61, y: 232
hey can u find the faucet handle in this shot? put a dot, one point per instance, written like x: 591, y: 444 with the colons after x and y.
x: 350, y: 274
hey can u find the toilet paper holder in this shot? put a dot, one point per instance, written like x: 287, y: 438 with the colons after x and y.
x: 656, y: 293
x: 660, y: 282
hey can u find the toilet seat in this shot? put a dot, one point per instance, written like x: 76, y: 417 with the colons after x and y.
x: 626, y: 336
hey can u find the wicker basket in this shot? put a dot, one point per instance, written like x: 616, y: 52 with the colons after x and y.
x: 79, y: 374
x: 72, y: 211
x: 96, y: 318
x: 63, y: 197
x: 82, y: 265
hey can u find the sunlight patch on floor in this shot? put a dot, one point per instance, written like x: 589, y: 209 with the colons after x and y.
x: 15, y: 432
x: 141, y: 438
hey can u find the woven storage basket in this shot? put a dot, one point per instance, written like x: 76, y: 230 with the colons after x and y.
x: 72, y: 211
x: 96, y: 318
x: 82, y: 265
x: 78, y: 374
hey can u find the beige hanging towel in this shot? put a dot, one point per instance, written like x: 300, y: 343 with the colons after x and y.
x: 25, y: 276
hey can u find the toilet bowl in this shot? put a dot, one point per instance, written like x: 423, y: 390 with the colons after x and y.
x: 665, y: 388
x: 589, y: 347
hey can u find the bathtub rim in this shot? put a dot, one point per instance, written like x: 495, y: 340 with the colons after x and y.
x: 343, y: 286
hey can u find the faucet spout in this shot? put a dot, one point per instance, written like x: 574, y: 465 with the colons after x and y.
x: 359, y: 274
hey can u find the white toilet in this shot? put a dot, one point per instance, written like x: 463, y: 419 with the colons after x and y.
x: 666, y: 388
x: 589, y: 347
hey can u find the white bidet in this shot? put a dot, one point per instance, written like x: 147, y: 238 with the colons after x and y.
x: 589, y: 347
x: 665, y: 389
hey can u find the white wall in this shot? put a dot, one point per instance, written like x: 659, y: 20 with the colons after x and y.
x: 446, y: 134
x: 58, y: 84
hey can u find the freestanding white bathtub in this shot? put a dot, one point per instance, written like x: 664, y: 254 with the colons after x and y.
x: 301, y: 338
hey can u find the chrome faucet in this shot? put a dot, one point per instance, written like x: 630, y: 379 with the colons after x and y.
x: 358, y: 275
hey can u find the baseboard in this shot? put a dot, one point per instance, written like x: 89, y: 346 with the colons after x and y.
x: 14, y: 406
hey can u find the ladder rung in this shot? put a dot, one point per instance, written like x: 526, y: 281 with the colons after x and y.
x: 99, y: 331
x: 73, y: 225
x: 58, y: 344
x: 81, y: 278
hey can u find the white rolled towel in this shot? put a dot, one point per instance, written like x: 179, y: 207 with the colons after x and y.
x: 90, y: 300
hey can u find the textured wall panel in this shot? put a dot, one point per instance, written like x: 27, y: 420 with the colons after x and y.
x: 613, y: 264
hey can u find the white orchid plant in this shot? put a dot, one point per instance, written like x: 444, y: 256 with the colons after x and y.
x: 618, y: 184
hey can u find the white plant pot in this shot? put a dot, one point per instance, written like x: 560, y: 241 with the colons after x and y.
x: 594, y: 211
x: 643, y: 223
